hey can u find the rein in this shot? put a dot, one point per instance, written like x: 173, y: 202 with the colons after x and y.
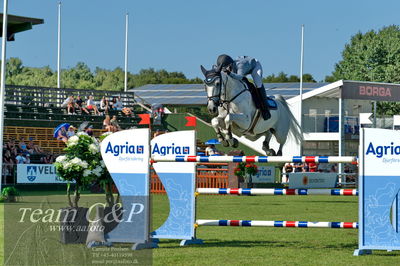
x: 223, y: 88
x: 234, y: 97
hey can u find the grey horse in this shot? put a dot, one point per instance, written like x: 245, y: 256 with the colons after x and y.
x: 231, y: 104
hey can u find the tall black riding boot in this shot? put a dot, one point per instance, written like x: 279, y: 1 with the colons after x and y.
x: 263, y: 103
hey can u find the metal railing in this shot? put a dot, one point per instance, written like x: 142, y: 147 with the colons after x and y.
x: 54, y: 97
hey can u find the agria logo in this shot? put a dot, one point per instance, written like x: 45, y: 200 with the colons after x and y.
x: 124, y: 149
x: 170, y: 150
x: 380, y: 151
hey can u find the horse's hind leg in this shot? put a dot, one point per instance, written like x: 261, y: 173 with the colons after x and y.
x: 279, y: 153
x: 266, y: 148
x: 281, y: 139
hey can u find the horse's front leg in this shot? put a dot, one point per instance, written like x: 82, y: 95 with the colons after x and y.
x: 240, y: 121
x: 217, y: 124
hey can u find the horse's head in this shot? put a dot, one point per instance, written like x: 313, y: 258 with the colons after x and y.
x: 213, y: 85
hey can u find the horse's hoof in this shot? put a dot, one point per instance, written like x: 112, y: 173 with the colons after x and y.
x: 271, y: 152
x: 235, y: 143
x: 279, y: 153
x: 225, y: 143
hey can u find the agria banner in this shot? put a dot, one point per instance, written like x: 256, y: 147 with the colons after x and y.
x: 379, y: 190
x: 179, y: 182
x: 126, y: 155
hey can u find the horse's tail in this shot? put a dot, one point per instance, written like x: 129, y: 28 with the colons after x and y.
x: 294, y: 128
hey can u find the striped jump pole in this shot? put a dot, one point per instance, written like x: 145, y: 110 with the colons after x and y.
x: 277, y: 191
x: 299, y: 224
x: 255, y: 159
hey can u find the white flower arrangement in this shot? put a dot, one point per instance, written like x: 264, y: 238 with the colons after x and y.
x: 87, y: 172
x: 61, y: 158
x: 66, y: 165
x: 78, y: 162
x: 93, y: 148
x: 98, y: 171
x: 73, y: 141
x: 82, y: 163
x: 81, y: 133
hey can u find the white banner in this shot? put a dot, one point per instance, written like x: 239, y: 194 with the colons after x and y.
x: 266, y: 174
x: 127, y: 151
x: 312, y: 180
x: 38, y: 173
x: 174, y: 143
x: 382, y: 152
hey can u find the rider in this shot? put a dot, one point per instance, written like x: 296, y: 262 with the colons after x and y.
x: 239, y: 69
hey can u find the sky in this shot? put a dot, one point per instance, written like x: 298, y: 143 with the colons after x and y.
x: 179, y: 35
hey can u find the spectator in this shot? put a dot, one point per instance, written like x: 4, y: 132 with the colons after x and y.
x: 127, y: 111
x: 71, y: 131
x: 298, y: 167
x: 287, y: 169
x: 10, y: 144
x: 20, y: 159
x: 107, y: 124
x: 62, y: 135
x: 27, y: 158
x: 211, y: 150
x: 312, y: 167
x: 333, y: 169
x: 79, y: 104
x: 22, y: 147
x: 69, y: 105
x: 48, y: 159
x: 90, y: 105
x: 112, y: 102
x: 104, y: 105
x: 118, y: 104
x: 114, y: 123
x: 9, y: 162
x: 89, y: 130
x: 33, y: 148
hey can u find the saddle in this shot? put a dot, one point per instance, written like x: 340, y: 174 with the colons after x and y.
x: 271, y: 103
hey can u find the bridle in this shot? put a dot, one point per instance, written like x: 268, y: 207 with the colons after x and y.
x: 216, y: 98
x: 211, y: 79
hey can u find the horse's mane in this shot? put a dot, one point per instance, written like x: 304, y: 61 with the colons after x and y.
x: 245, y: 82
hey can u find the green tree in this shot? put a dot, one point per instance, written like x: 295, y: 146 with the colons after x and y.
x: 110, y: 80
x: 283, y: 78
x: 308, y: 78
x: 78, y: 77
x: 151, y: 76
x: 373, y: 56
x: 81, y: 77
x: 14, y: 66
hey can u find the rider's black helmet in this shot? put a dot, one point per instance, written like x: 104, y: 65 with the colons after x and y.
x: 224, y: 61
